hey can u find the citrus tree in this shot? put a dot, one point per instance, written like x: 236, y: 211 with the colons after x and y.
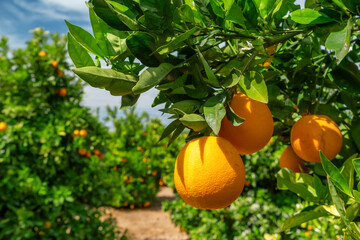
x: 46, y: 184
x: 221, y: 61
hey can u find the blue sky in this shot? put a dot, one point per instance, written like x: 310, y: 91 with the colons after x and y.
x: 18, y: 17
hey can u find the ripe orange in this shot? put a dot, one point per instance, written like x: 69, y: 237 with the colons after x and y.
x: 101, y: 156
x: 154, y: 173
x: 83, y: 133
x: 61, y: 73
x: 47, y: 225
x: 3, y: 126
x: 42, y: 54
x: 82, y: 151
x: 54, y: 63
x: 313, y: 133
x: 147, y: 204
x: 88, y: 154
x: 96, y: 152
x: 255, y: 132
x: 76, y: 133
x: 209, y: 173
x: 132, y: 206
x: 267, y: 63
x: 62, y: 92
x: 290, y: 160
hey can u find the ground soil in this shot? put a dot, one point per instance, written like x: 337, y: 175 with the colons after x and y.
x: 149, y: 223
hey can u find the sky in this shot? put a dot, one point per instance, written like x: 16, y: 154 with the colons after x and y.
x: 18, y: 17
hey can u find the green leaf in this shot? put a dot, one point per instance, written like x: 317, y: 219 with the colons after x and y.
x: 169, y: 129
x: 309, y: 16
x: 303, y: 217
x: 264, y: 6
x: 98, y: 30
x: 333, y: 172
x: 347, y: 77
x: 117, y: 83
x: 253, y: 85
x: 107, y: 13
x: 128, y: 100
x: 300, y: 183
x: 114, y: 18
x: 356, y: 163
x: 215, y: 111
x: 142, y: 46
x: 356, y: 196
x: 117, y: 43
x: 176, y: 42
x: 340, y: 207
x: 194, y: 121
x: 339, y: 41
x: 78, y: 54
x: 217, y: 9
x: 236, y: 15
x: 176, y: 134
x: 355, y: 133
x: 152, y: 77
x: 233, y: 117
x: 85, y: 39
x: 211, y: 78
x: 187, y: 106
x: 158, y: 14
x: 347, y: 170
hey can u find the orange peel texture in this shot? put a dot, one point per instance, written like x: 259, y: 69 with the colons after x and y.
x: 255, y: 132
x: 209, y: 173
x: 313, y: 133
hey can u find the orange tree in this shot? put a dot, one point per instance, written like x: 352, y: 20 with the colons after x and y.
x: 200, y: 53
x: 47, y: 187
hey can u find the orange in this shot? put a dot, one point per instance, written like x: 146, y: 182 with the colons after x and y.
x: 96, y: 152
x: 3, y: 126
x: 271, y: 50
x: 83, y: 133
x: 61, y: 73
x: 313, y: 133
x: 62, y: 92
x: 144, y: 133
x: 147, y: 204
x: 47, y: 225
x: 125, y: 204
x: 82, y: 151
x: 54, y: 63
x: 154, y: 173
x: 42, y: 54
x: 132, y: 206
x: 76, y: 133
x: 88, y: 154
x: 267, y: 63
x: 255, y: 132
x: 209, y: 173
x: 101, y: 156
x: 290, y: 160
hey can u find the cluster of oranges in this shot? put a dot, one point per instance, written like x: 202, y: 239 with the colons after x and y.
x: 209, y: 172
x: 61, y: 92
x: 308, y: 136
x: 87, y: 154
x: 3, y: 126
x: 54, y: 63
x: 80, y: 133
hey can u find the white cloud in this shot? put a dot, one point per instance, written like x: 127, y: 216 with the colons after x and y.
x: 51, y: 10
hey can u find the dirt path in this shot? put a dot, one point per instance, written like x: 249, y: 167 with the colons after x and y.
x: 149, y: 223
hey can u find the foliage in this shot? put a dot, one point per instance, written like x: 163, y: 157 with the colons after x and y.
x: 257, y: 214
x: 199, y: 53
x: 47, y: 188
x: 136, y: 162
